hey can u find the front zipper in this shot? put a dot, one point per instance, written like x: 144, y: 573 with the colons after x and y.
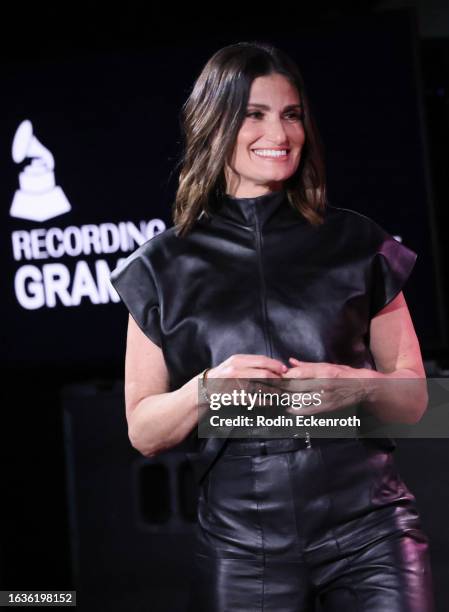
x: 264, y: 303
x: 268, y: 346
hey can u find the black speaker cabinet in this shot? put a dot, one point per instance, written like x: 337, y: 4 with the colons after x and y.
x: 131, y: 517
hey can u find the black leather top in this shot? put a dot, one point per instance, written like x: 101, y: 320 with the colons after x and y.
x: 255, y: 276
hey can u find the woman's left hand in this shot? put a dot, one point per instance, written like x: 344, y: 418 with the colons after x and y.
x: 338, y: 386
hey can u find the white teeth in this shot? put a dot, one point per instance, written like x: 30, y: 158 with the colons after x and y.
x: 270, y: 152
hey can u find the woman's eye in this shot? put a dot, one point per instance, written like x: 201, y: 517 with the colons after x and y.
x: 290, y: 116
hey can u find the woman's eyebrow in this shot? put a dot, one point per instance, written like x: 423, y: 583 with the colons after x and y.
x: 265, y: 107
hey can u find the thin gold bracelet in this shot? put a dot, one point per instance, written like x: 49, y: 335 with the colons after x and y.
x: 203, y: 378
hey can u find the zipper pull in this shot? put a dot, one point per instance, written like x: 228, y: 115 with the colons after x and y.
x: 308, y: 442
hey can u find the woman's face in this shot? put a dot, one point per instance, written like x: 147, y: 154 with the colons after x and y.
x: 270, y: 139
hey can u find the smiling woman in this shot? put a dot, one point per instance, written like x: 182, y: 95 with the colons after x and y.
x: 238, y: 106
x: 269, y: 142
x: 261, y: 278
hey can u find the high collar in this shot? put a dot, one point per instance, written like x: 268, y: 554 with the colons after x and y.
x: 256, y: 211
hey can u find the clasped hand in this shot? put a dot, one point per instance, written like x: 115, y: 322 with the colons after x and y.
x: 336, y: 386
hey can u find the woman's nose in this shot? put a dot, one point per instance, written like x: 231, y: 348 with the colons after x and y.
x: 275, y: 132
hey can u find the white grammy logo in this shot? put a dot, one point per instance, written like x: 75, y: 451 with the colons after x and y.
x: 38, y: 198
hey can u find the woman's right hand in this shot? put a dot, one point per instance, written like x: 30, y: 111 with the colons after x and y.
x: 238, y: 372
x: 243, y: 373
x: 248, y: 366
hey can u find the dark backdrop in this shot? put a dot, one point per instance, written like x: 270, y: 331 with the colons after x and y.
x: 110, y: 118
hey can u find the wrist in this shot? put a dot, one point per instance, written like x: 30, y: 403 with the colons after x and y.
x: 202, y: 378
x: 369, y: 385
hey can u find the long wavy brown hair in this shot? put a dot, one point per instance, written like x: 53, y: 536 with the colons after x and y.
x: 210, y: 121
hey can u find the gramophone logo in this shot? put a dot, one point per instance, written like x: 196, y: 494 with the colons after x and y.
x: 38, y: 197
x: 41, y: 279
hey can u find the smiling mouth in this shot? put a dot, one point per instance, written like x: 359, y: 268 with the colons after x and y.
x: 271, y: 153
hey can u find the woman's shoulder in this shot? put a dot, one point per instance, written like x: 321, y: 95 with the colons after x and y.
x: 355, y: 225
x: 350, y: 215
x: 368, y: 240
x: 148, y: 255
x: 157, y: 245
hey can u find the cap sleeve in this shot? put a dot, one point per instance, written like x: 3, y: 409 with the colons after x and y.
x: 133, y: 280
x: 392, y: 265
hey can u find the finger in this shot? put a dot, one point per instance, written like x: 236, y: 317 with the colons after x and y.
x: 312, y: 369
x: 310, y: 363
x: 254, y: 384
x: 254, y: 379
x: 297, y: 372
x: 265, y: 363
x: 305, y: 365
x: 255, y: 372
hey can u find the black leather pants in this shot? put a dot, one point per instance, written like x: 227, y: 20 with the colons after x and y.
x: 331, y: 528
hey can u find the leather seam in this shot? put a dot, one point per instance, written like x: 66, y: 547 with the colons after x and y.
x: 260, y: 527
x: 292, y: 494
x: 331, y: 506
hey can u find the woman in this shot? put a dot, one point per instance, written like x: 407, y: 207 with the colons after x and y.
x: 259, y: 272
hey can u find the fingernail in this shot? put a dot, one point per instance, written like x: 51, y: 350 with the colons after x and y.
x: 284, y: 368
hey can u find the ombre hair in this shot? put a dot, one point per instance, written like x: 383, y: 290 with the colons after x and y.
x: 211, y: 119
